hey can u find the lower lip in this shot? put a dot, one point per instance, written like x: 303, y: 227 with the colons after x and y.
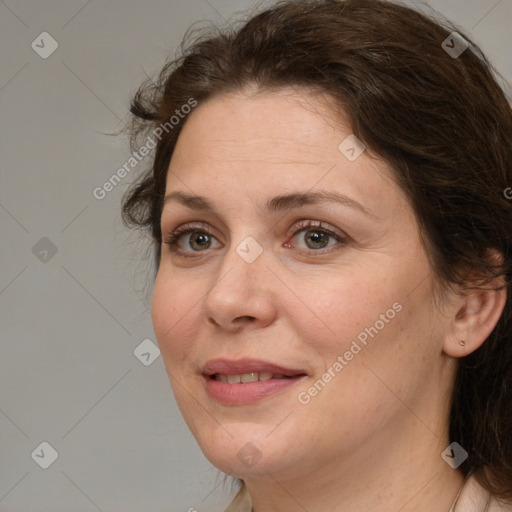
x: 247, y: 392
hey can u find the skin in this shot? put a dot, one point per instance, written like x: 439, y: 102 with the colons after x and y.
x: 372, y: 438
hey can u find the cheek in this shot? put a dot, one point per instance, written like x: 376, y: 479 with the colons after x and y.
x: 372, y: 321
x: 173, y: 307
x: 335, y: 311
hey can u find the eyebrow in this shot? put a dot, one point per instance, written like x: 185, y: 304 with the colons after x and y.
x: 284, y: 202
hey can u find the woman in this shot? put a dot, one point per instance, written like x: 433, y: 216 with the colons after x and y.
x: 333, y: 238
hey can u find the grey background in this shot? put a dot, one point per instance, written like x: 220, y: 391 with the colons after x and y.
x: 72, y: 320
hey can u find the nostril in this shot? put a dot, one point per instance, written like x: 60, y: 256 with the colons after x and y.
x: 245, y: 319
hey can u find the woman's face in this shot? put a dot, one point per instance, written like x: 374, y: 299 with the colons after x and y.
x: 304, y: 260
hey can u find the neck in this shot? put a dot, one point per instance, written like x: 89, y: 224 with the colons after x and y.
x: 406, y: 494
x: 411, y: 476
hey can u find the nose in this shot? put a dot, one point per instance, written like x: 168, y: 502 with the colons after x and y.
x: 242, y: 293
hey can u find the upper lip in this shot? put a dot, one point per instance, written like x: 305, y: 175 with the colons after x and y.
x: 241, y: 366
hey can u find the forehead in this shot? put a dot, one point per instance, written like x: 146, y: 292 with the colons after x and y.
x: 276, y: 141
x: 287, y: 123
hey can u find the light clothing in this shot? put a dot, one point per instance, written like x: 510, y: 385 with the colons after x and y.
x: 241, y: 502
x: 473, y: 498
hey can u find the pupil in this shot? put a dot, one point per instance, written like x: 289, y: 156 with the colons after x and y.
x: 317, y: 238
x: 201, y: 240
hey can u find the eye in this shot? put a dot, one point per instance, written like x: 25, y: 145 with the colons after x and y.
x: 316, y: 236
x: 189, y: 240
x: 186, y: 237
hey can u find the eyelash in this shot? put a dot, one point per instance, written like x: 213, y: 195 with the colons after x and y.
x: 173, y: 237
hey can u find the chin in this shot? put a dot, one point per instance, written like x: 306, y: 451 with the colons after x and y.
x: 245, y: 455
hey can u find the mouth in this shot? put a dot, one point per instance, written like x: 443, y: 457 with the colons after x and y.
x: 243, y: 381
x: 248, y: 370
x: 244, y: 378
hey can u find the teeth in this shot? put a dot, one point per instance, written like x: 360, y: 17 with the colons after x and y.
x: 248, y: 377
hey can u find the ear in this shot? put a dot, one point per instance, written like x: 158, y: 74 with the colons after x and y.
x: 476, y: 312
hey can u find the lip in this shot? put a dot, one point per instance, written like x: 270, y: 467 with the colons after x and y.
x: 239, y: 366
x: 249, y: 392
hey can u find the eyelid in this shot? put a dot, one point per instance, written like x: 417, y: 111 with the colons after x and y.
x: 309, y: 225
x: 185, y: 228
x: 320, y: 225
x: 173, y: 236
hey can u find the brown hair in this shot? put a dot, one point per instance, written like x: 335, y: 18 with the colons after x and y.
x: 443, y: 124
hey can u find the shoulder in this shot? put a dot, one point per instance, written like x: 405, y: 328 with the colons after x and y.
x: 474, y: 498
x: 498, y: 506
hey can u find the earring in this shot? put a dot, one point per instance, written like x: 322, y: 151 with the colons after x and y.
x: 462, y: 343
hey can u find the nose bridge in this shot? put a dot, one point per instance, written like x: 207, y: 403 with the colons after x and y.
x: 239, y: 289
x: 243, y: 264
